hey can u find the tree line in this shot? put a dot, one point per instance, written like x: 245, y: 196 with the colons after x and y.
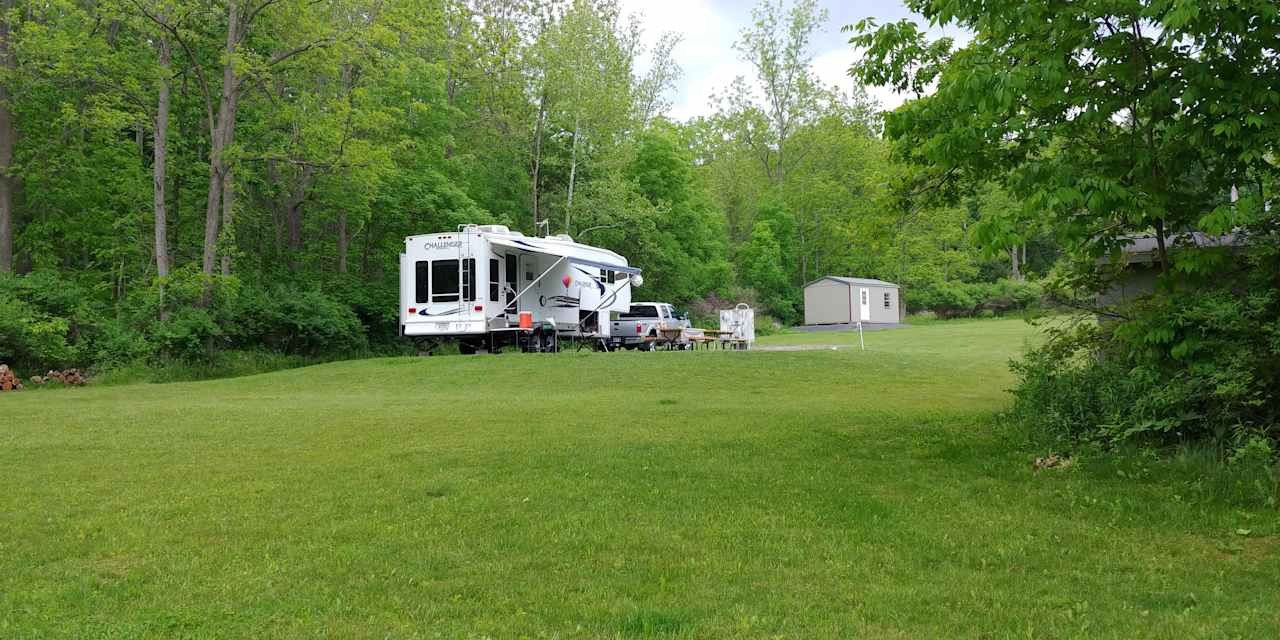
x: 174, y: 173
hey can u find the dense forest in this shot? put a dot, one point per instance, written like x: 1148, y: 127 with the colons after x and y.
x: 179, y: 178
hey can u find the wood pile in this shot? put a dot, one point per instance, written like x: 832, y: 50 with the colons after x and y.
x: 72, y: 377
x: 8, y: 381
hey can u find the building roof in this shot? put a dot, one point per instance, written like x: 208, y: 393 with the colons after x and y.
x: 852, y: 281
x: 1143, y: 249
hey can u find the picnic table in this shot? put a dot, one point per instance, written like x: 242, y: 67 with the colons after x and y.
x: 705, y: 338
x: 711, y: 337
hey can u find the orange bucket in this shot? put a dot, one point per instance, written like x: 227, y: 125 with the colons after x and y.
x: 526, y: 319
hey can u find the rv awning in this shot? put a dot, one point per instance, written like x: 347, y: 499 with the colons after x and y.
x: 563, y: 252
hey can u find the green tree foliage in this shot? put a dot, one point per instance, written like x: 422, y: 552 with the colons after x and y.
x: 1106, y: 120
x: 761, y: 260
x: 241, y: 174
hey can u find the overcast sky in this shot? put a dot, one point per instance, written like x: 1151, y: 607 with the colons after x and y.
x: 710, y: 27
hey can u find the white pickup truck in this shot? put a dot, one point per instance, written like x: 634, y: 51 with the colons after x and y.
x: 642, y: 326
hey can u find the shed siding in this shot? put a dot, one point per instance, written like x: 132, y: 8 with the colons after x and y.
x: 826, y: 302
x: 879, y: 313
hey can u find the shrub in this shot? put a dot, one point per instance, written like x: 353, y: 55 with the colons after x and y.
x: 1066, y: 391
x: 967, y: 299
x: 295, y: 321
x: 116, y: 343
x: 37, y: 329
x: 1191, y: 366
x: 190, y: 334
x: 1007, y: 295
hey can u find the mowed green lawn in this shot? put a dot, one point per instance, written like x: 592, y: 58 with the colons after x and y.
x: 810, y: 494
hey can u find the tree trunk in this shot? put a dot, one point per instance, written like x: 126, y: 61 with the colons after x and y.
x: 342, y: 242
x: 1163, y: 250
x: 218, y: 140
x: 803, y: 251
x: 1014, y: 271
x: 293, y: 221
x: 573, y: 173
x: 277, y: 211
x: 7, y: 140
x: 293, y: 215
x: 211, y: 211
x: 537, y: 153
x: 367, y: 251
x: 450, y: 92
x: 158, y: 171
x: 228, y: 192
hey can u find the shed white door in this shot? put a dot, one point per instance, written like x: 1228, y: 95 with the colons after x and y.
x: 864, y: 304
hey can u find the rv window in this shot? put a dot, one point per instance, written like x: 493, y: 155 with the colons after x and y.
x: 511, y: 283
x: 640, y: 311
x: 469, y: 279
x: 604, y: 276
x: 493, y: 279
x: 422, y: 282
x: 444, y: 281
x: 886, y: 300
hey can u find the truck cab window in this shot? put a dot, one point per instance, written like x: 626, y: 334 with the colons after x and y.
x: 640, y: 311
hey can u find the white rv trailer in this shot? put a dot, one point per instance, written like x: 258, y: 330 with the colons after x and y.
x: 473, y: 286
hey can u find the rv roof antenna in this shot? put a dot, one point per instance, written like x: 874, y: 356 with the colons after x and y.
x: 545, y: 225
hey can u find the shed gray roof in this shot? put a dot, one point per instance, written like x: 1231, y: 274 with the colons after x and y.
x: 862, y: 281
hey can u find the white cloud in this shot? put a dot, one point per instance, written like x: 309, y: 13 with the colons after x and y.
x: 705, y: 53
x: 709, y: 29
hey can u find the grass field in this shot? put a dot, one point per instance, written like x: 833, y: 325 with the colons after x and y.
x: 808, y: 494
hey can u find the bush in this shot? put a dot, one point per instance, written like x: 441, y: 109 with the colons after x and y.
x: 295, y: 321
x: 1067, y: 392
x: 1194, y: 366
x: 49, y: 322
x: 116, y: 343
x: 189, y: 334
x: 969, y: 299
x: 1007, y: 295
x: 37, y: 326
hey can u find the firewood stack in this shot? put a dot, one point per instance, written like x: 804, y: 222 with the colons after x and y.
x: 8, y: 381
x: 72, y: 377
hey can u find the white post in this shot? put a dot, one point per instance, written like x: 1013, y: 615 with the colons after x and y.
x: 861, y: 344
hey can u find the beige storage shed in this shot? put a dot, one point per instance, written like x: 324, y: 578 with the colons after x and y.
x: 840, y: 300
